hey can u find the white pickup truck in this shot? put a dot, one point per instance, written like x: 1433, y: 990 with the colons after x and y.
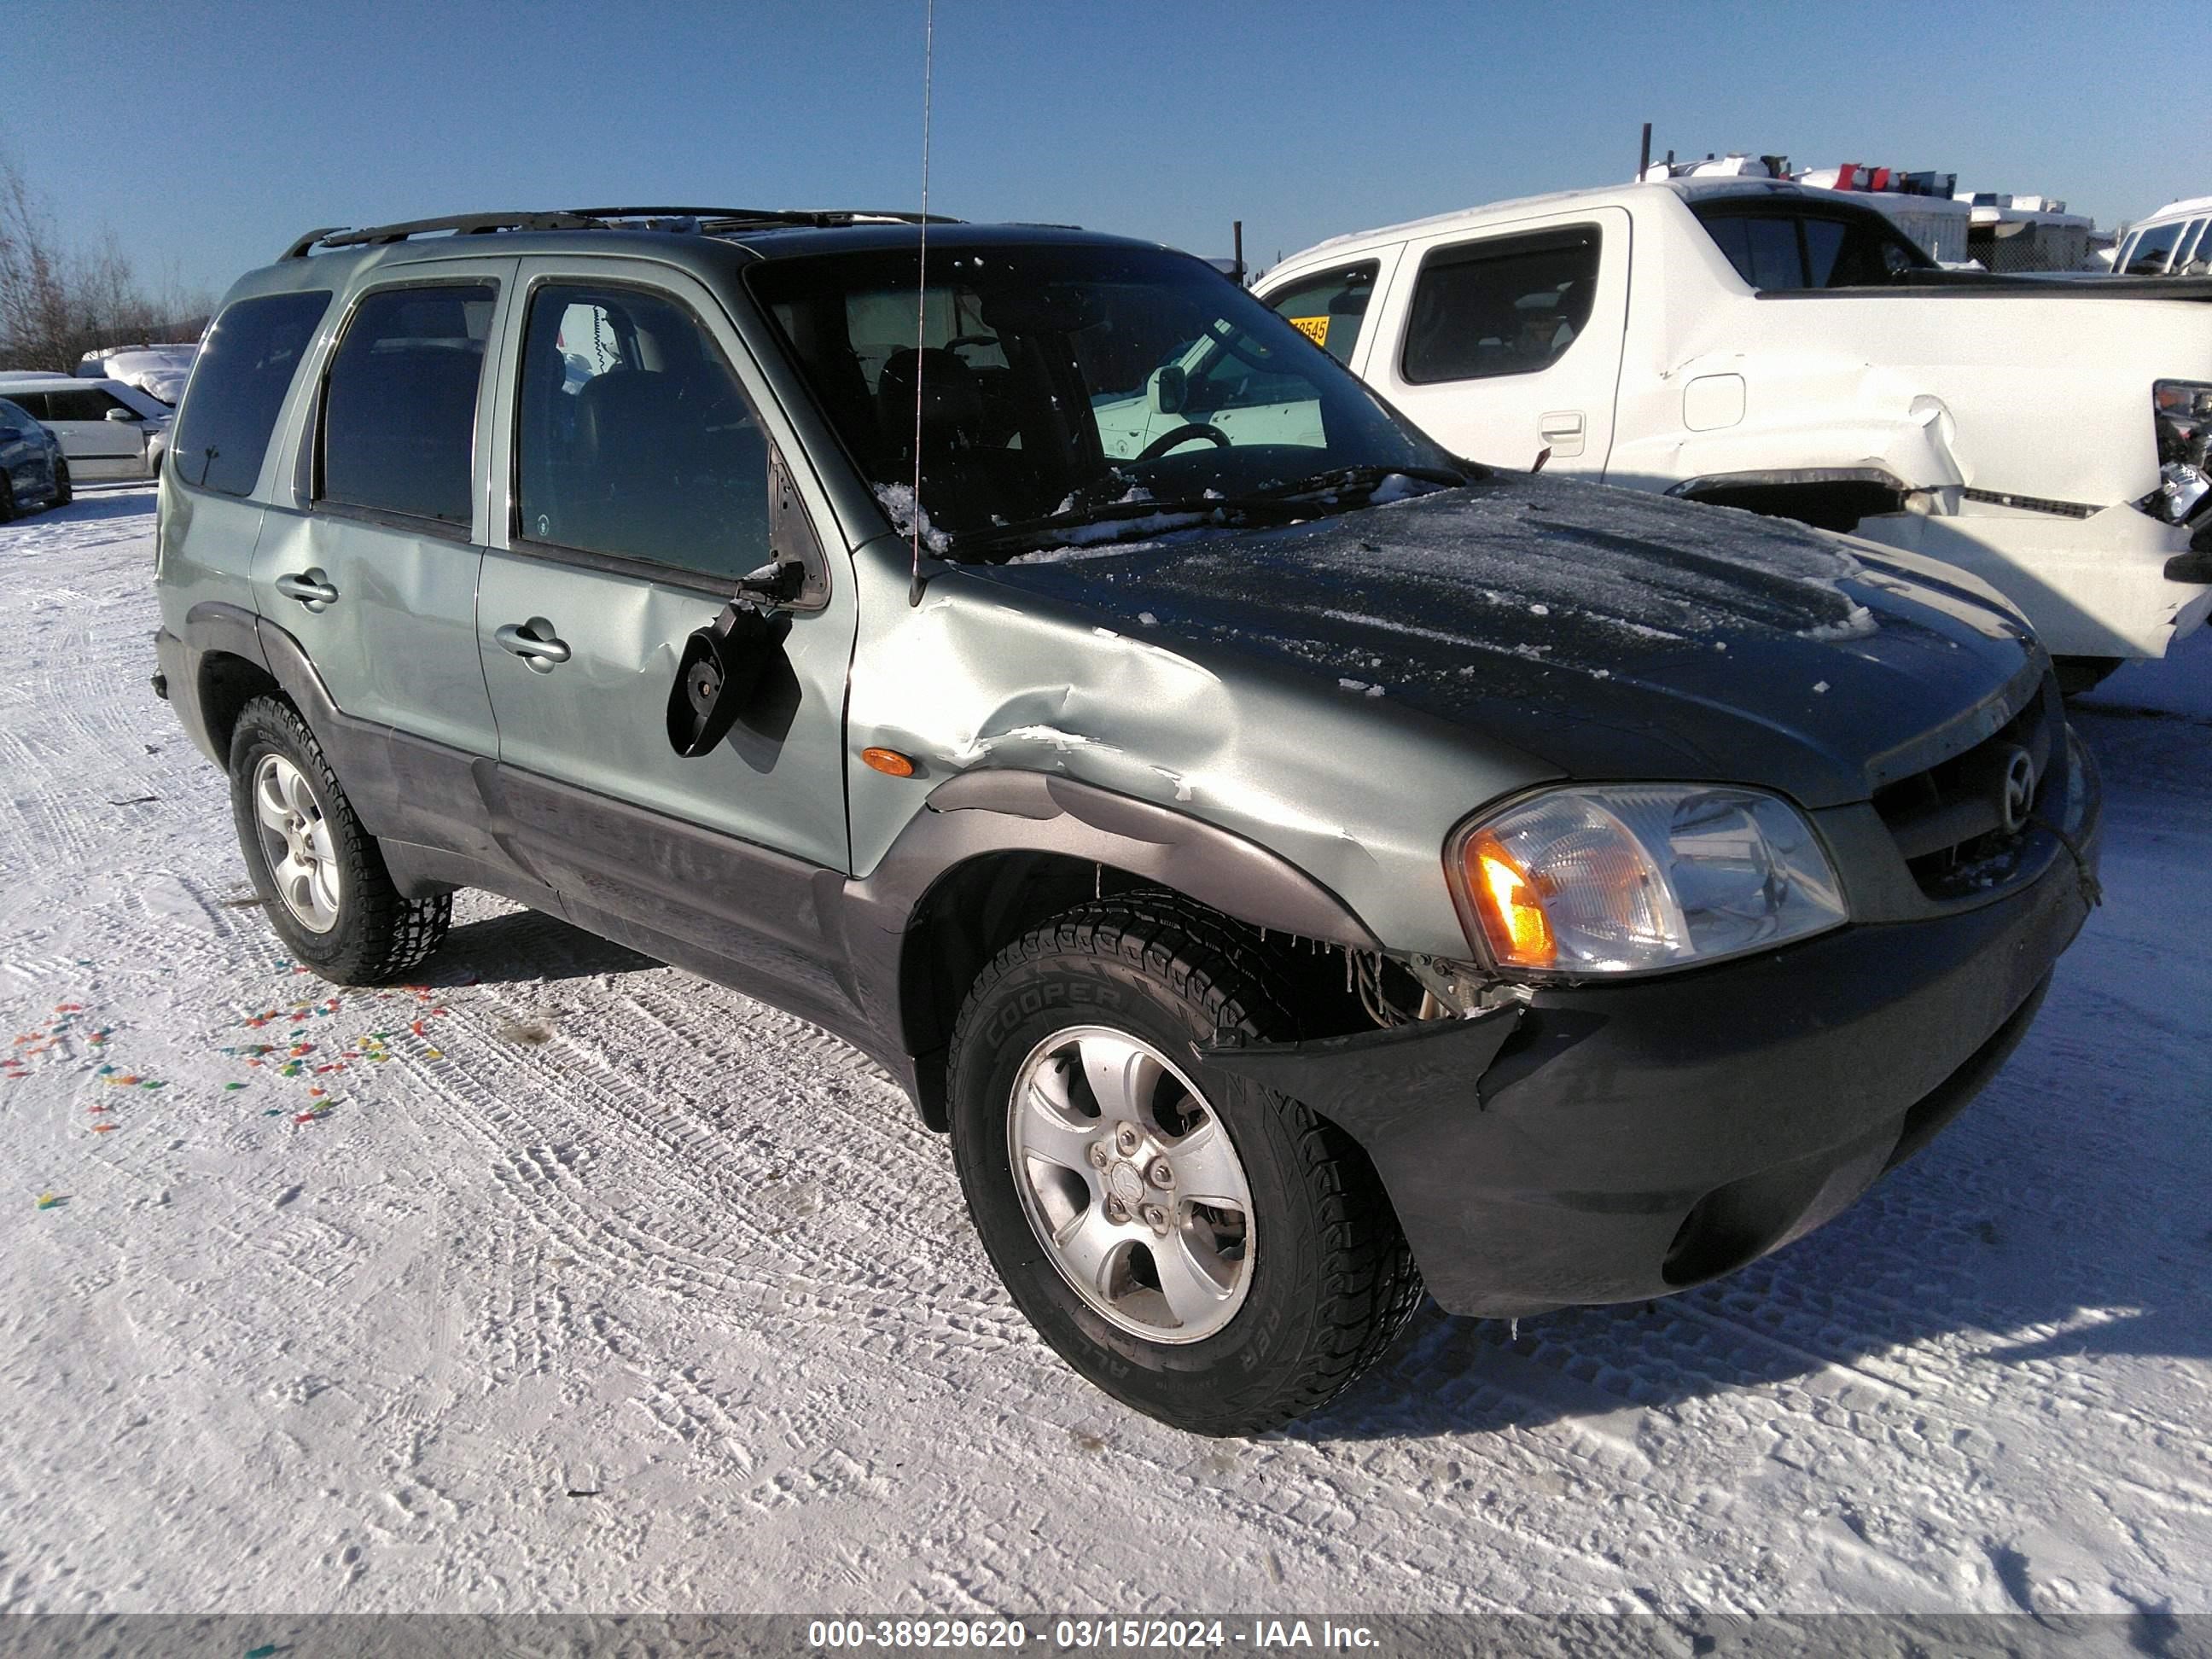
x: 1764, y: 345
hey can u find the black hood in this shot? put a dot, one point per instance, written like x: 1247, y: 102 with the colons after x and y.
x: 1612, y: 633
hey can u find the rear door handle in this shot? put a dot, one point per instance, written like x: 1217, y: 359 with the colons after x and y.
x: 535, y: 643
x: 1562, y: 429
x: 311, y: 587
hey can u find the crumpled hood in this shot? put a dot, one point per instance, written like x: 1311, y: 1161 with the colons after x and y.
x: 1610, y: 632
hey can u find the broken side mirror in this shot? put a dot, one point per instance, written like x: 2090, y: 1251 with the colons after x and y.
x: 730, y: 665
x: 1169, y: 389
x: 715, y: 678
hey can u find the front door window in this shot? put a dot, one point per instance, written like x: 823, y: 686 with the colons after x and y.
x: 635, y: 440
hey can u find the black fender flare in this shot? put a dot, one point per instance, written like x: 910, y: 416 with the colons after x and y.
x: 982, y: 814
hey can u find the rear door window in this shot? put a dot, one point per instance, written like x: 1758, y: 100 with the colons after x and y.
x: 1512, y: 305
x: 399, y: 406
x: 33, y: 404
x: 634, y: 438
x: 1331, y: 309
x: 238, y: 385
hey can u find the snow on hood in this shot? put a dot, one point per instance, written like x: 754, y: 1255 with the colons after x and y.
x: 1615, y: 632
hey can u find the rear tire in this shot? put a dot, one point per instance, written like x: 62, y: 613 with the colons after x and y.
x: 1311, y: 1283
x: 329, y: 897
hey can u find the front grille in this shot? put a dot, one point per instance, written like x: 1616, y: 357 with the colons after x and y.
x: 1950, y: 821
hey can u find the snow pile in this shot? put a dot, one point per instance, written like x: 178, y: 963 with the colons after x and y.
x: 159, y: 371
x: 899, y: 506
x: 1399, y: 487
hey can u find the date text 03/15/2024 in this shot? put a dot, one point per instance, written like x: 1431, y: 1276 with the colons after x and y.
x: 1095, y: 1634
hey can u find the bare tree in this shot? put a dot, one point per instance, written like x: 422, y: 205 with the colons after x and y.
x: 58, y: 302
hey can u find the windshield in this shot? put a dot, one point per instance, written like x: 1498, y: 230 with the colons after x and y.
x: 1062, y: 385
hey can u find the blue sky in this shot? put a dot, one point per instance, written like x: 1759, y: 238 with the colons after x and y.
x: 206, y: 135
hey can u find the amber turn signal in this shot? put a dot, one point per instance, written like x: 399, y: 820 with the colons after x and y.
x: 1506, y: 899
x: 888, y: 762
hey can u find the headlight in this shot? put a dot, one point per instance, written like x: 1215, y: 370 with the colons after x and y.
x: 1624, y: 878
x: 2181, y: 414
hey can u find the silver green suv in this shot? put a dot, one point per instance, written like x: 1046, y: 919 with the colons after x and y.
x: 1294, y: 864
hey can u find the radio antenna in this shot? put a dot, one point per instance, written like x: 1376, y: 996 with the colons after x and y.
x: 922, y: 293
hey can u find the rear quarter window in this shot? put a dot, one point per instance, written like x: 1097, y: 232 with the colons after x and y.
x: 238, y: 385
x: 1787, y: 248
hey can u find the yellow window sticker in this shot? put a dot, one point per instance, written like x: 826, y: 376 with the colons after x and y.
x: 1314, y: 328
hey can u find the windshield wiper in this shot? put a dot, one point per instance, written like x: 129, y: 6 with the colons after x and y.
x: 1191, y: 512
x: 1357, y: 480
x: 1270, y: 504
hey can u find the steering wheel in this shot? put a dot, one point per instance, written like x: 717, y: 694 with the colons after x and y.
x: 1182, y: 434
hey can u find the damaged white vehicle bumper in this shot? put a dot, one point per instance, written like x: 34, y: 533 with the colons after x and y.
x: 2114, y: 583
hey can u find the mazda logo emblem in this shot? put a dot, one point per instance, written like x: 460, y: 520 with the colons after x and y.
x: 2016, y: 792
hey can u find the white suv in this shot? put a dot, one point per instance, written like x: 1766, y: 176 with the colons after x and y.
x: 107, y: 429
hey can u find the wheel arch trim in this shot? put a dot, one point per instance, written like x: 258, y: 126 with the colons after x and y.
x: 890, y: 919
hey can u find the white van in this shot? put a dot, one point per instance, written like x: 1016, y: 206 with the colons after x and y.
x: 2174, y: 241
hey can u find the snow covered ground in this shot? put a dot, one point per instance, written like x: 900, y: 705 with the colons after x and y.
x: 580, y: 1283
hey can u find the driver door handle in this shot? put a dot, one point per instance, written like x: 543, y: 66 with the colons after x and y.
x: 535, y: 643
x: 311, y: 587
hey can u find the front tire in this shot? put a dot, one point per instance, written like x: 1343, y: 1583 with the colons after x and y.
x: 1206, y: 1251
x: 64, y: 490
x: 320, y: 876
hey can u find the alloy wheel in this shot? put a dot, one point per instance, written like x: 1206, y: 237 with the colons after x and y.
x: 295, y: 838
x: 1129, y: 1179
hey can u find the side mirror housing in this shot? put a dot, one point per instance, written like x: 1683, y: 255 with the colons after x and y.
x: 1167, y: 390
x: 719, y: 670
x: 125, y: 416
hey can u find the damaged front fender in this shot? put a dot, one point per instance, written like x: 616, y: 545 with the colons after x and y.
x: 967, y: 684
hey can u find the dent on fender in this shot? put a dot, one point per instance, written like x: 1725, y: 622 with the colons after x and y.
x: 966, y: 684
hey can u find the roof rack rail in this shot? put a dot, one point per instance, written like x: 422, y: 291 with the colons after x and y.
x: 694, y: 219
x: 824, y: 218
x: 461, y: 224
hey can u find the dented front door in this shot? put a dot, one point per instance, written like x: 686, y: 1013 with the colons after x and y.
x: 623, y: 531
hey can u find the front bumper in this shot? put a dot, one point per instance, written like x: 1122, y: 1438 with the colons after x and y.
x: 2097, y: 587
x: 1614, y: 1142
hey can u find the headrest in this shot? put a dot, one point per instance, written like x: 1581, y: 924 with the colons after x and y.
x: 949, y: 394
x: 635, y: 402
